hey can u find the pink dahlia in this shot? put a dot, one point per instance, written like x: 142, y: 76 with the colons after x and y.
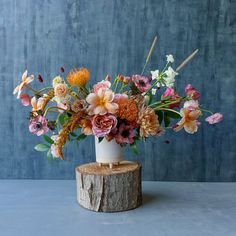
x: 38, y: 125
x: 102, y: 125
x: 126, y: 134
x: 142, y: 83
x: 215, y: 118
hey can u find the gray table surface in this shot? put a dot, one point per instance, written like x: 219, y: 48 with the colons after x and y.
x: 49, y: 207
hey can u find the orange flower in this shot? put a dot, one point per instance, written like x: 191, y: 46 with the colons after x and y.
x: 25, y: 80
x: 189, y: 120
x: 149, y: 124
x: 86, y: 126
x: 78, y: 77
x: 128, y: 109
x: 37, y: 105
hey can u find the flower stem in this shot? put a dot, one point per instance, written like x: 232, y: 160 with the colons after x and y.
x: 205, y: 110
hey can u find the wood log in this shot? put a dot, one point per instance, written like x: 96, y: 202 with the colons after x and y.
x: 102, y: 189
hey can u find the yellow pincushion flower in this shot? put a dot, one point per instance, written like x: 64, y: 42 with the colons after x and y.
x: 78, y: 77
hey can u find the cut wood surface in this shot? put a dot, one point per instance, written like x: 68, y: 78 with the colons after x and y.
x: 100, y: 188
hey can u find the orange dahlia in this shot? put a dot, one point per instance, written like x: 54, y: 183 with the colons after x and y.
x: 78, y: 77
x: 128, y: 109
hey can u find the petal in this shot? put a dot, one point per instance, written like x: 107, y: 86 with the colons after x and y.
x: 111, y: 107
x: 100, y: 110
x: 92, y: 98
x: 16, y: 89
x: 29, y: 79
x: 24, y: 76
x: 191, y: 127
x: 109, y: 96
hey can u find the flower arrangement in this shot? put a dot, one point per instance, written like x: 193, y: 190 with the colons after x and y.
x: 126, y: 109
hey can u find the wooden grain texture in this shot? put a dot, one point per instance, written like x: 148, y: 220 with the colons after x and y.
x: 114, y: 37
x: 109, y: 190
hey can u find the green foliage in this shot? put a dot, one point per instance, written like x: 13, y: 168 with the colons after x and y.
x: 42, y: 147
x: 81, y: 137
x: 134, y: 148
x: 63, y: 118
x: 166, y: 119
x: 48, y: 139
x: 160, y: 116
x: 173, y: 114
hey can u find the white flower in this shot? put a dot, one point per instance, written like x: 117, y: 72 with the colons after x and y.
x: 170, y: 73
x: 154, y: 91
x: 57, y: 80
x: 155, y: 74
x: 169, y: 82
x: 170, y: 58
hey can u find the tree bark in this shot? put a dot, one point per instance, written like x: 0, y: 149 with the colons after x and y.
x: 102, y: 189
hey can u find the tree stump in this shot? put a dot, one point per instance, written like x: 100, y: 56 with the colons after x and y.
x: 102, y: 189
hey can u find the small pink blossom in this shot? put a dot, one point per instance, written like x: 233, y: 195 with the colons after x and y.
x: 191, y: 105
x: 102, y: 125
x: 215, y: 118
x: 126, y: 134
x: 104, y: 84
x: 170, y: 92
x: 38, y: 125
x: 54, y: 147
x: 192, y: 92
x: 63, y: 106
x: 119, y: 96
x: 25, y: 99
x: 142, y: 83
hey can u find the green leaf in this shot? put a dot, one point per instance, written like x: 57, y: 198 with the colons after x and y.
x: 48, y: 139
x: 100, y: 139
x: 49, y: 154
x: 41, y: 147
x: 73, y: 134
x: 63, y: 118
x: 81, y: 137
x: 160, y: 116
x: 134, y: 148
x: 166, y: 119
x: 173, y: 114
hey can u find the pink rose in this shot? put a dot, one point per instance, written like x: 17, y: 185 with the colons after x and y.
x: 104, y: 84
x: 192, y: 92
x: 25, y: 99
x: 103, y: 124
x: 60, y: 90
x: 215, y: 118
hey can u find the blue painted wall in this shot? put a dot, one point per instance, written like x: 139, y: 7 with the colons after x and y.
x: 111, y: 36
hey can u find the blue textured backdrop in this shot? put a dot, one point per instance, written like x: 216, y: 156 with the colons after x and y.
x: 113, y: 37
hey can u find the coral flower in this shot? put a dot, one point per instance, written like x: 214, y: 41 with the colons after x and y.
x: 142, y: 83
x: 78, y: 77
x: 86, y: 126
x: 126, y: 134
x: 25, y: 80
x: 128, y: 109
x: 189, y: 120
x: 101, y: 102
x: 149, y: 124
x: 38, y: 125
x: 215, y: 118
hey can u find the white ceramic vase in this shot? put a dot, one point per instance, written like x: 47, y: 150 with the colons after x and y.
x: 108, y: 152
